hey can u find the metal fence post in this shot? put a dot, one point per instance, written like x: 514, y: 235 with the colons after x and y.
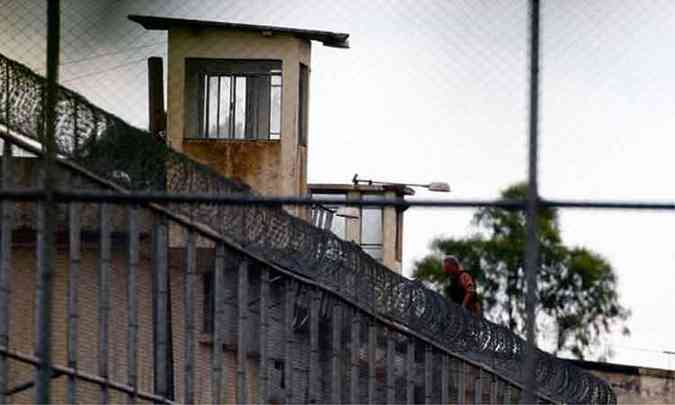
x: 242, y: 346
x: 103, y: 298
x: 189, y: 298
x: 7, y: 217
x: 289, y: 339
x: 132, y: 303
x: 219, y: 324
x: 47, y: 211
x: 372, y: 358
x: 410, y: 371
x: 160, y: 264
x: 314, y: 346
x: 337, y: 347
x: 391, y: 367
x: 73, y: 278
x: 263, y: 373
x: 532, y: 247
x: 355, y: 348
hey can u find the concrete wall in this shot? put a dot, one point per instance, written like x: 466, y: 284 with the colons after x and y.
x: 287, y: 160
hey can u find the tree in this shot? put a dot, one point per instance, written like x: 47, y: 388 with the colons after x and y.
x: 577, y: 299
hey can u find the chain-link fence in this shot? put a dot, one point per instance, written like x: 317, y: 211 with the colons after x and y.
x: 121, y: 229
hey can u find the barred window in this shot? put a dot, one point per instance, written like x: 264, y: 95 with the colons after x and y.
x: 233, y: 99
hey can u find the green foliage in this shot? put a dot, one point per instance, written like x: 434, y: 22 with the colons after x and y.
x: 576, y: 289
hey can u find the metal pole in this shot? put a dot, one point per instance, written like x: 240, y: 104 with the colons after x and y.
x: 48, y: 208
x: 314, y: 387
x: 242, y: 386
x: 190, y: 276
x: 355, y: 348
x: 132, y: 304
x: 73, y: 278
x: 290, y: 339
x: 391, y: 377
x: 532, y: 247
x: 263, y: 373
x: 104, y: 298
x: 336, y: 376
x: 6, y: 213
x: 218, y: 325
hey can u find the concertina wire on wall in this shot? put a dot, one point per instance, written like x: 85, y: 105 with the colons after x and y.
x: 134, y: 159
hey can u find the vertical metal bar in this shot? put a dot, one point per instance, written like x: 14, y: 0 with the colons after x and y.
x: 162, y: 301
x: 47, y: 226
x: 314, y: 347
x: 427, y: 373
x: 494, y: 388
x: 461, y: 382
x: 507, y: 393
x: 372, y: 347
x: 219, y: 324
x: 73, y: 277
x: 218, y: 110
x: 478, y: 387
x: 189, y: 296
x: 207, y: 105
x: 336, y: 389
x: 242, y: 347
x: 263, y: 373
x: 103, y: 295
x: 132, y: 302
x: 288, y: 347
x: 410, y: 371
x: 444, y: 379
x: 532, y: 247
x: 390, y: 367
x: 6, y: 214
x: 355, y: 348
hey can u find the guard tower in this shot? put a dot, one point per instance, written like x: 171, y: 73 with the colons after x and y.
x: 237, y: 98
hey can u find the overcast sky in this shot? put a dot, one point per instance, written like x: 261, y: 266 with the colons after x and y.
x: 437, y: 91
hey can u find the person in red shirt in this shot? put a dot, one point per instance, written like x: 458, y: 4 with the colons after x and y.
x: 462, y: 289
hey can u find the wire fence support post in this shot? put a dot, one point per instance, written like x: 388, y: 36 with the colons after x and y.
x: 532, y: 246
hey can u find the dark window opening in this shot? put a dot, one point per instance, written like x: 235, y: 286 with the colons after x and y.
x: 233, y: 99
x: 303, y: 97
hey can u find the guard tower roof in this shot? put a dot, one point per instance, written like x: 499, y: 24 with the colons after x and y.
x: 332, y: 39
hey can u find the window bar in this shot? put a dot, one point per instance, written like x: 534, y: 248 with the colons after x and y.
x: 263, y: 375
x: 218, y: 110
x: 372, y: 347
x: 207, y: 105
x: 355, y: 347
x: 233, y: 108
x: 189, y: 297
x: 444, y: 378
x: 6, y: 215
x: 74, y: 243
x: 241, y: 333
x: 314, y: 347
x: 336, y: 369
x: 461, y: 382
x: 132, y: 303
x: 219, y: 324
x: 428, y: 354
x: 104, y: 292
x: 288, y: 347
x: 391, y: 370
x: 162, y: 319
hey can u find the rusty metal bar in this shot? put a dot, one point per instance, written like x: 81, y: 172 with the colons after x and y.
x: 355, y: 348
x: 189, y: 298
x: 314, y: 347
x: 219, y: 325
x: 289, y: 338
x: 336, y: 388
x: 104, y: 298
x: 263, y: 373
x: 74, y: 237
x: 391, y: 352
x: 48, y: 210
x: 372, y: 358
x: 6, y: 215
x: 242, y: 346
x: 427, y: 373
x: 410, y: 371
x: 132, y: 303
